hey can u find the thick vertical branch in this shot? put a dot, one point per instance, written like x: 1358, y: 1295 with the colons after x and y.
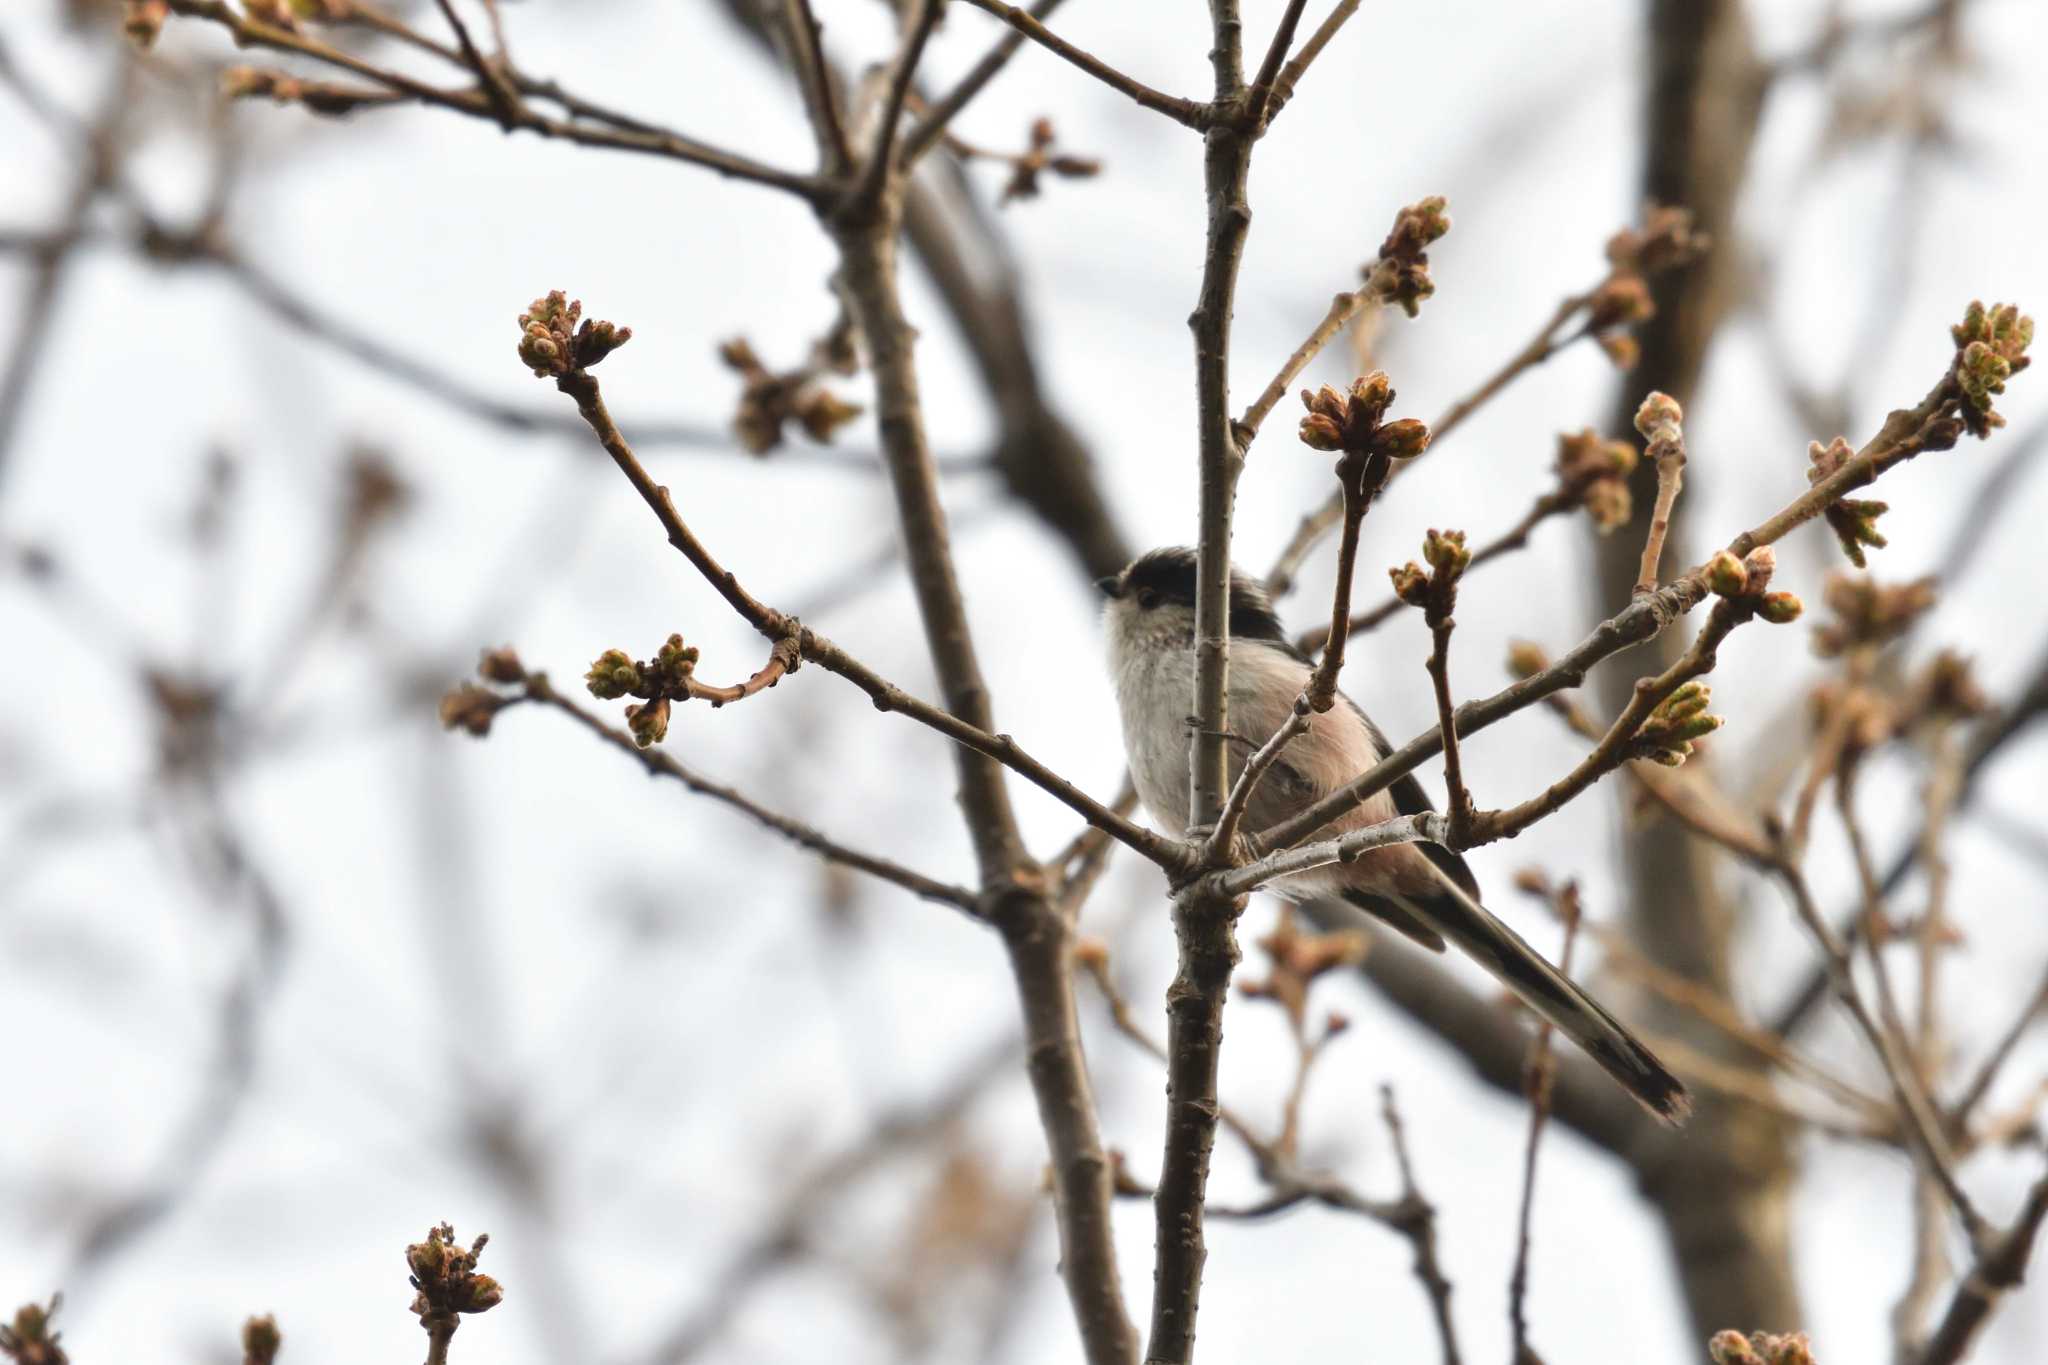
x: 1722, y: 1188
x: 1035, y: 932
x: 1205, y: 925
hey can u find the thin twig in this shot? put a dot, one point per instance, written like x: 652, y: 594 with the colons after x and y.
x: 1667, y: 448
x: 1291, y: 74
x: 1999, y: 1268
x: 249, y: 32
x: 1905, y: 433
x: 881, y: 161
x: 1361, y: 476
x: 1537, y: 1086
x: 1422, y: 1236
x: 1929, y: 1144
x: 886, y: 696
x: 1260, y: 96
x: 658, y: 762
x: 814, y: 79
x: 1184, y: 111
x: 1515, y: 538
x: 1343, y: 308
x: 1980, y: 1083
x: 1545, y: 344
x: 939, y: 113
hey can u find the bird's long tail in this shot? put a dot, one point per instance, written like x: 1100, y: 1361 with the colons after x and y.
x: 1462, y: 920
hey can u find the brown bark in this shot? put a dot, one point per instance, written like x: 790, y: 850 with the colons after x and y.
x: 1721, y: 1184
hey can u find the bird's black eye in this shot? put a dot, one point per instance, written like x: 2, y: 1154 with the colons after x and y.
x: 1148, y: 598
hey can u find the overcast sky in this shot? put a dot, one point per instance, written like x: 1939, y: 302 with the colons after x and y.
x: 648, y: 989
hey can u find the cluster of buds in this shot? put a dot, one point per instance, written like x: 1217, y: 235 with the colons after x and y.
x: 470, y: 708
x: 287, y: 14
x: 261, y: 1340
x: 1351, y: 421
x: 655, y: 681
x: 1746, y: 583
x: 143, y: 20
x: 1853, y: 520
x: 551, y: 344
x: 1665, y: 241
x: 29, y: 1340
x: 1434, y: 589
x: 1667, y: 736
x: 1868, y: 613
x: 1593, y: 472
x: 770, y: 401
x: 1991, y: 347
x: 1947, y: 690
x: 319, y: 97
x: 1039, y: 158
x: 1297, y: 959
x: 1863, y: 718
x: 1401, y: 273
x: 1760, y: 1348
x: 445, y: 1276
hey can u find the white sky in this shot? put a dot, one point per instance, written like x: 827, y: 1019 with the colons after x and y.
x: 462, y: 909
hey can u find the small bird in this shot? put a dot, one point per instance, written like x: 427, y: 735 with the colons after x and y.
x: 1423, y: 890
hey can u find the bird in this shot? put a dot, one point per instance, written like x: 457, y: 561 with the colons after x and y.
x: 1423, y: 890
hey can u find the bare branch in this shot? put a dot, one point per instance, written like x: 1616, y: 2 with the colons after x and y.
x: 1343, y: 308
x: 1515, y: 538
x: 1999, y: 1269
x: 1905, y: 433
x: 1260, y: 96
x: 1182, y: 111
x: 1658, y: 420
x: 776, y: 625
x: 1929, y: 1144
x: 658, y: 762
x: 939, y: 113
x: 248, y: 32
x: 1423, y: 1235
x: 1564, y: 901
x: 1291, y: 74
x: 881, y: 161
x: 1546, y: 343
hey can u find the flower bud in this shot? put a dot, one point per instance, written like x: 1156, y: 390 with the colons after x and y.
x: 648, y: 722
x: 1726, y: 576
x: 1659, y: 416
x: 1403, y: 439
x: 260, y: 1340
x: 1780, y: 608
x: 1526, y: 660
x: 501, y: 665
x: 614, y: 675
x: 1411, y: 583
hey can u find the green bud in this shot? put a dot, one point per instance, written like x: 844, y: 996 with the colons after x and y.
x: 1726, y: 576
x: 1446, y: 552
x: 1403, y: 439
x: 1658, y: 412
x: 1411, y: 583
x: 614, y: 675
x: 1780, y: 608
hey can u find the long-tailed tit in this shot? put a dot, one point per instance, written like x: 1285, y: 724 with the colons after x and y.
x: 1423, y: 890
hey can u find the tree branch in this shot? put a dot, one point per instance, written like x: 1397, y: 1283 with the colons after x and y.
x: 939, y: 113
x: 659, y: 763
x: 249, y: 32
x: 1182, y: 111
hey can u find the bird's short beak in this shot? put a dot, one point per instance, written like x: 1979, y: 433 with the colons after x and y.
x: 1109, y: 586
